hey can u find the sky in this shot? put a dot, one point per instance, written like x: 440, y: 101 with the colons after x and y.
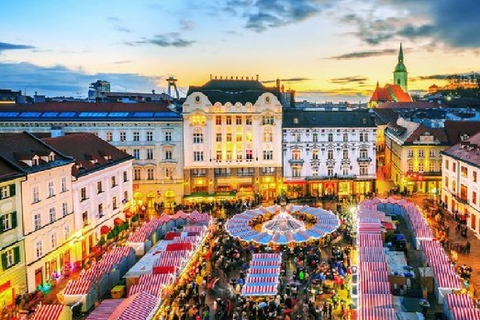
x: 325, y: 50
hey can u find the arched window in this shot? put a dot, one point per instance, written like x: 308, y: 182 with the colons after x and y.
x: 267, y: 135
x: 315, y: 137
x: 330, y: 137
x: 296, y: 155
x: 345, y: 137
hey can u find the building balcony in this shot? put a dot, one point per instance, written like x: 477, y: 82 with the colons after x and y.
x: 432, y: 173
x: 345, y: 161
x: 364, y: 159
x: 296, y: 161
x: 168, y: 161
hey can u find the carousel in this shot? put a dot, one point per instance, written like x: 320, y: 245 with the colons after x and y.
x: 282, y: 224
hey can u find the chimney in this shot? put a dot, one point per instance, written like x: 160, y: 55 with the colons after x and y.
x: 153, y: 91
x: 257, y: 77
x: 56, y: 131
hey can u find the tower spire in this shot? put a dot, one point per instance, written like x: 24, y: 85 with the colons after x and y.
x: 400, y: 54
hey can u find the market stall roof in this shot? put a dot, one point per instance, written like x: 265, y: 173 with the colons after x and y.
x: 105, y: 309
x: 52, y: 312
x: 139, y: 307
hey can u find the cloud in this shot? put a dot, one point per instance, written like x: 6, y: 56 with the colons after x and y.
x: 168, y: 40
x: 122, y: 29
x: 186, y: 25
x: 60, y: 81
x: 122, y: 62
x: 452, y: 76
x: 290, y: 80
x: 10, y: 46
x: 264, y: 14
x: 364, y: 54
x: 118, y: 24
x: 345, y: 80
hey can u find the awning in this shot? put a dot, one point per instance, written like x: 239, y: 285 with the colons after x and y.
x: 128, y: 214
x: 163, y: 269
x: 118, y: 221
x: 179, y: 246
x: 104, y: 230
x: 294, y: 182
x: 172, y: 235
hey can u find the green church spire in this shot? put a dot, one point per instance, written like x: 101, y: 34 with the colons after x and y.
x: 400, y: 75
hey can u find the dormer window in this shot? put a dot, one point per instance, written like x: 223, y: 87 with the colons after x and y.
x: 35, y: 161
x: 51, y: 157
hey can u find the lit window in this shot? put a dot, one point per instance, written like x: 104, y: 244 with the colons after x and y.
x: 109, y: 136
x: 150, y: 174
x: 136, y: 174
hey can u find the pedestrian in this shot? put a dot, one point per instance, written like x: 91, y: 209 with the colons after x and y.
x: 467, y: 247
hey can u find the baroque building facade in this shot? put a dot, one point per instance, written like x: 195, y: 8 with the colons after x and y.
x: 328, y: 153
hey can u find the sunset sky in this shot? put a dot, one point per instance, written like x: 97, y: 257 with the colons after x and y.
x: 326, y: 50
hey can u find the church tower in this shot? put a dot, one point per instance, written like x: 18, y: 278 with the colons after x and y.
x: 400, y: 75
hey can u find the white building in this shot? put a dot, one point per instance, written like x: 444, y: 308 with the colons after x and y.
x: 13, y: 279
x: 460, y: 180
x: 328, y: 153
x: 47, y: 210
x: 151, y: 132
x: 233, y: 130
x: 101, y: 185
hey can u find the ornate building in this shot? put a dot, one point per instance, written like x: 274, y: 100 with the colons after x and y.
x: 328, y: 153
x: 233, y: 130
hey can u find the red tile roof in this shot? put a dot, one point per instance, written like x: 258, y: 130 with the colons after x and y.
x: 8, y: 171
x: 390, y: 92
x: 94, y: 153
x: 456, y: 129
x: 468, y: 152
x: 438, y: 133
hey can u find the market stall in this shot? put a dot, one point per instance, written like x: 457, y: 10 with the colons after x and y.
x: 140, y: 306
x: 52, y: 312
x: 79, y: 291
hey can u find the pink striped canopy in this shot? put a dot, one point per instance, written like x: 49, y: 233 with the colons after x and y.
x: 140, y: 306
x: 377, y: 314
x: 137, y: 288
x: 375, y: 287
x: 259, y: 290
x: 78, y: 287
x: 48, y: 312
x: 460, y: 313
x: 459, y: 300
x: 272, y: 279
x: 368, y: 301
x: 155, y: 279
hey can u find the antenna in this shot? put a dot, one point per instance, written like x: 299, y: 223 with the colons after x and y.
x: 172, y: 83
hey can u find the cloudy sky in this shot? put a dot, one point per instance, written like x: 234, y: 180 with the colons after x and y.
x: 326, y: 50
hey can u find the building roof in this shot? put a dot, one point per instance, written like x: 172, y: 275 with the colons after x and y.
x: 95, y: 154
x: 409, y: 105
x: 19, y: 149
x: 8, y: 171
x: 390, y: 92
x: 411, y: 133
x: 84, y: 111
x: 384, y: 116
x: 233, y: 91
x: 467, y: 151
x: 459, y: 130
x: 328, y: 119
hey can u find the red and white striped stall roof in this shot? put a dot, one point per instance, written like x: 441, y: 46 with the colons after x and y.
x: 168, y: 261
x: 264, y: 263
x: 253, y: 279
x: 155, y: 279
x: 259, y: 290
x: 378, y: 276
x: 368, y: 213
x: 373, y: 266
x: 153, y: 290
x: 189, y: 228
x: 370, y: 240
x: 368, y: 301
x: 78, y: 287
x: 370, y: 227
x: 377, y: 314
x: 48, y: 312
x: 266, y: 256
x: 459, y: 300
x: 459, y: 313
x: 185, y: 239
x: 138, y: 307
x: 265, y: 271
x: 375, y: 287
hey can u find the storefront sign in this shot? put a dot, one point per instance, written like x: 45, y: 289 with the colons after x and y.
x: 4, y: 286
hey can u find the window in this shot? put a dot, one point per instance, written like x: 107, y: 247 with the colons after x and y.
x: 123, y: 136
x: 125, y: 195
x: 447, y: 164
x: 410, y: 153
x: 7, y: 191
x: 363, y: 170
x: 330, y: 154
x: 446, y: 182
x: 114, y: 203
x: 168, y: 154
x: 199, y: 172
x: 125, y: 176
x: 51, y: 190
x: 53, y: 214
x: 238, y: 120
x: 228, y: 120
x: 454, y: 167
x: 136, y: 136
x: 109, y: 136
x: 136, y: 154
x: 218, y: 137
x: 299, y: 137
x: 149, y: 136
x: 85, y: 218
x: 169, y: 173
x: 420, y: 153
x: 66, y: 231
x: 10, y: 258
x: 248, y: 120
x: 37, y: 221
x: 150, y: 174
x: 267, y: 135
x: 330, y: 171
x: 296, y: 154
x: 229, y: 137
x: 38, y: 248
x: 53, y: 240
x: 83, y: 194
x: 64, y: 209
x: 315, y: 172
x: 218, y: 155
x: 363, y: 136
x: 198, y: 136
x: 454, y: 186
x: 345, y: 154
x: 464, y: 171
x: 267, y: 155
x: 420, y: 166
x: 136, y: 174
x: 410, y: 167
x: 36, y: 194
x: 296, y: 171
x: 315, y: 137
x: 113, y: 181
x: 149, y: 154
x: 345, y: 137
x: 265, y: 170
x: 198, y: 156
x: 229, y: 155
x: 99, y: 187
x: 239, y: 137
x: 474, y: 176
x: 474, y: 197
x: 64, y: 184
x: 8, y: 221
x: 315, y: 154
x: 249, y: 155
x: 330, y: 137
x: 345, y: 171
x: 100, y: 210
x: 431, y: 153
x: 218, y: 120
x: 168, y: 136
x: 363, y: 153
x: 431, y: 166
x: 268, y: 120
